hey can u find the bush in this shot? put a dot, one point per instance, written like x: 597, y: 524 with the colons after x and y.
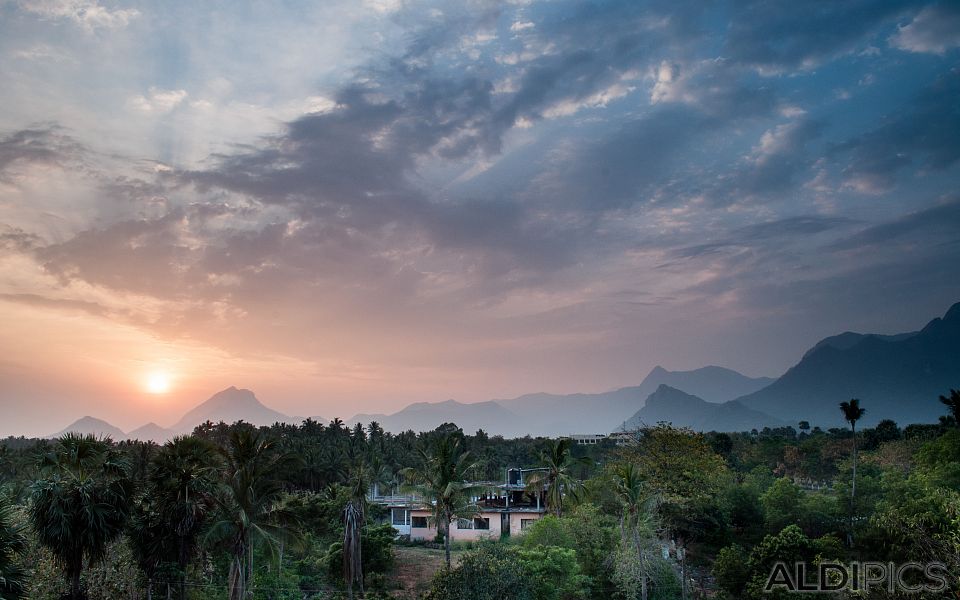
x: 494, y: 571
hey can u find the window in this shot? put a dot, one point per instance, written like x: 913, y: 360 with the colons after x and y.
x: 524, y: 523
x: 399, y: 516
x: 481, y: 523
x: 464, y: 524
x: 419, y: 522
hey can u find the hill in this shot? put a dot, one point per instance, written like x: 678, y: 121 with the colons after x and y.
x: 686, y: 410
x: 230, y: 405
x: 425, y: 416
x: 895, y: 377
x: 559, y: 414
x: 92, y: 426
x: 151, y: 432
x: 711, y: 383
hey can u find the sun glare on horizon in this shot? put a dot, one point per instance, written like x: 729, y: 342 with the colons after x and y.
x: 158, y: 382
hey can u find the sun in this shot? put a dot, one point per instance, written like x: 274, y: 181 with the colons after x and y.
x: 158, y: 382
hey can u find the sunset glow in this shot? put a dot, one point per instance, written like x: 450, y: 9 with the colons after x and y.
x: 158, y: 382
x: 349, y: 207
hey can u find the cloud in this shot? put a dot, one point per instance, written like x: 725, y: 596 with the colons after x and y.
x: 935, y: 29
x: 771, y: 233
x: 44, y: 144
x: 780, y: 36
x: 89, y: 14
x: 939, y: 222
x: 920, y: 134
x: 158, y: 100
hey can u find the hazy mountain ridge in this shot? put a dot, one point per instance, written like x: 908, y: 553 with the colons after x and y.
x: 710, y: 383
x: 92, y: 426
x: 543, y: 414
x: 674, y: 406
x: 895, y: 377
x: 229, y: 405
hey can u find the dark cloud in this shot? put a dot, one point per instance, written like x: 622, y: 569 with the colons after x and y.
x: 36, y: 145
x: 17, y: 240
x: 783, y: 35
x: 930, y: 226
x: 772, y: 233
x: 921, y: 134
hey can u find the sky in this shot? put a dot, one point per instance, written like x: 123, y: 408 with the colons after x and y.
x: 352, y: 205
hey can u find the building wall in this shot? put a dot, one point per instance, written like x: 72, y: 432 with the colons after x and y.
x: 516, y: 521
x: 430, y: 532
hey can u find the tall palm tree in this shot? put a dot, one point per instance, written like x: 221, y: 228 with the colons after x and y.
x: 354, y: 515
x: 183, y: 480
x: 852, y: 413
x: 953, y: 403
x: 634, y: 516
x: 13, y: 578
x: 151, y: 543
x: 248, y: 510
x: 557, y: 477
x: 81, y: 504
x: 441, y: 479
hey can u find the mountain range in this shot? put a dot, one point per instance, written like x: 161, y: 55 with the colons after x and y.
x: 554, y: 414
x: 229, y: 405
x: 895, y: 377
x: 671, y: 405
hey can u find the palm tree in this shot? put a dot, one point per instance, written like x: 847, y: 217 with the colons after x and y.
x: 13, y: 578
x: 183, y: 481
x: 247, y: 502
x: 82, y: 503
x: 442, y: 480
x: 953, y: 403
x: 354, y: 514
x: 556, y: 478
x: 852, y: 413
x: 635, y: 505
x: 150, y: 540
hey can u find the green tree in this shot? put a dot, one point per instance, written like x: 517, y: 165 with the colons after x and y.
x: 557, y: 477
x: 781, y: 504
x: 13, y: 542
x: 852, y: 412
x: 486, y: 573
x: 637, y: 531
x: 182, y: 485
x: 684, y: 477
x: 585, y: 530
x: 81, y: 503
x: 731, y: 571
x: 494, y: 571
x: 442, y: 480
x: 952, y: 402
x: 247, y: 502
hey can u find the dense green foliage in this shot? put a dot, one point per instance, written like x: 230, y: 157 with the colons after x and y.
x: 235, y: 511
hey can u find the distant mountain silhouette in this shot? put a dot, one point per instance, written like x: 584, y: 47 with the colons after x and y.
x: 558, y: 414
x: 425, y: 416
x: 686, y: 410
x: 849, y: 339
x: 895, y: 377
x: 713, y: 384
x: 230, y: 405
x: 151, y: 432
x: 92, y: 426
